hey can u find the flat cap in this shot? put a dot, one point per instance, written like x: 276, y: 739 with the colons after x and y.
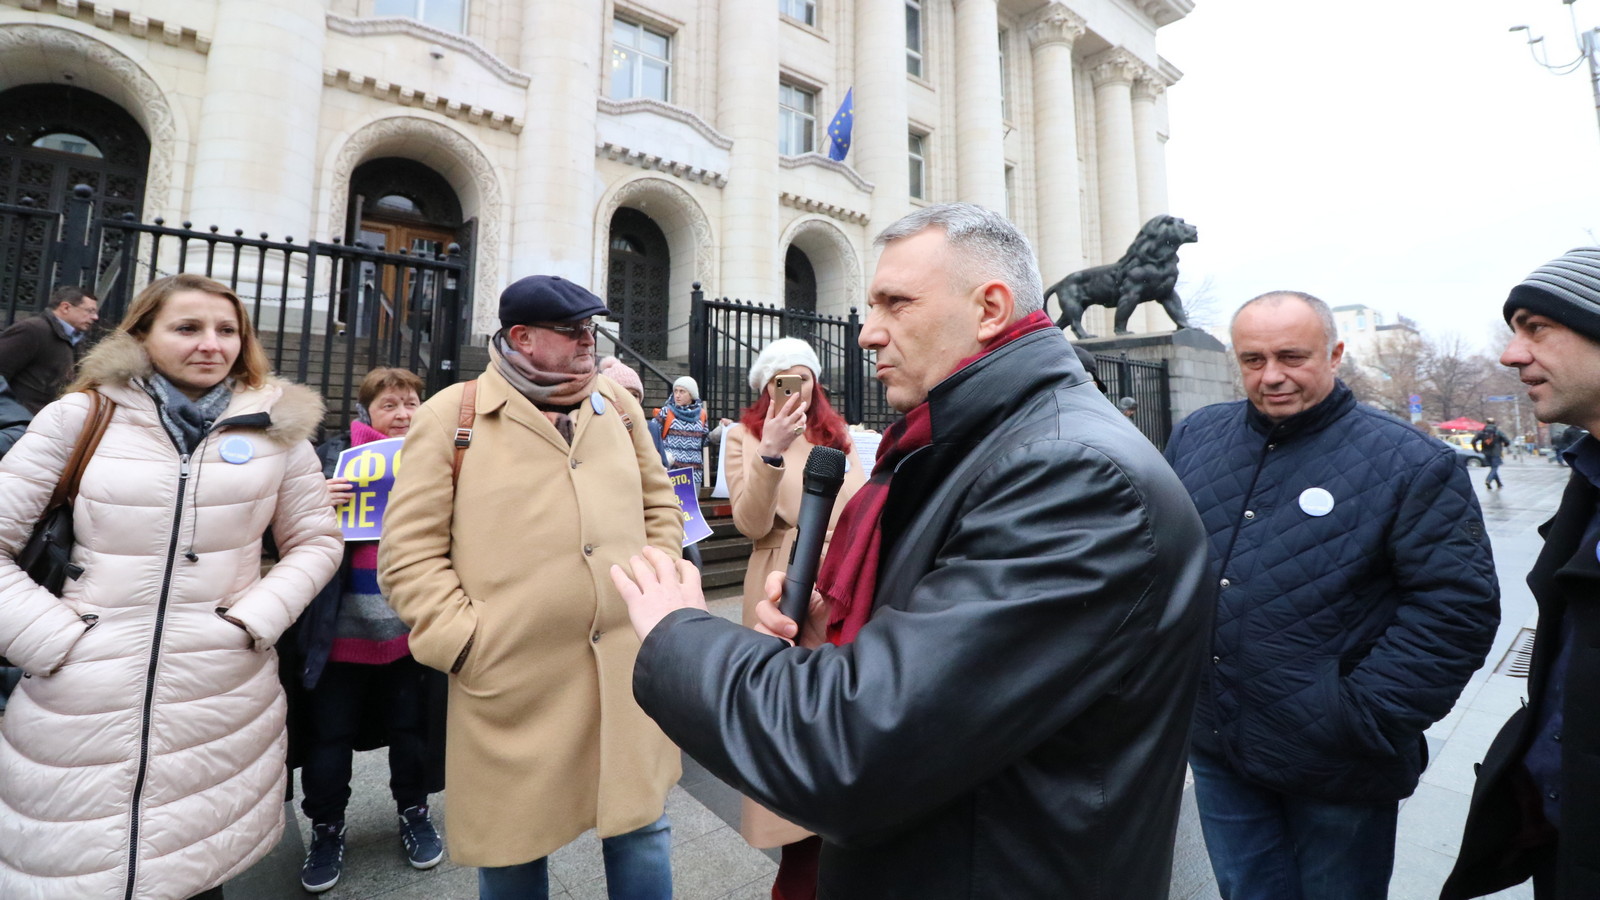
x: 547, y: 298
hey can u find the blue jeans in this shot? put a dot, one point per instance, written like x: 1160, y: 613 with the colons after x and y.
x: 1494, y: 472
x: 638, y: 867
x: 1265, y: 845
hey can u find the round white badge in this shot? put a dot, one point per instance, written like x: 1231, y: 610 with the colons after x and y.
x: 598, y: 403
x: 237, y: 450
x: 1316, y: 502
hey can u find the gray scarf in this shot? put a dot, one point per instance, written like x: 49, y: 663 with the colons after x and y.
x: 187, y: 421
x: 554, y: 393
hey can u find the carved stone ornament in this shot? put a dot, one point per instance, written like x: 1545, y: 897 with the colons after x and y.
x: 686, y: 208
x: 805, y: 229
x: 61, y: 46
x: 1056, y: 24
x: 1149, y: 85
x: 486, y: 253
x: 1114, y: 66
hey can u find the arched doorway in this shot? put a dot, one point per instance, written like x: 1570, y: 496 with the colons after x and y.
x: 799, y: 281
x: 636, y: 283
x: 399, y: 205
x: 54, y: 137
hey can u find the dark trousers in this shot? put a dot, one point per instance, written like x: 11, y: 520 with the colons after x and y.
x: 335, y: 711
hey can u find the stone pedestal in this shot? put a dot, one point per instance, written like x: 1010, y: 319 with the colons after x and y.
x: 1199, y: 369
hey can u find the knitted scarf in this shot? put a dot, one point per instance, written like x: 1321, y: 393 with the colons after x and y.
x: 366, y: 630
x: 685, y: 439
x: 849, y: 576
x: 555, y: 394
x: 187, y: 421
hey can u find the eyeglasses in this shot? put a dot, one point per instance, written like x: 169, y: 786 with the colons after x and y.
x: 571, y: 331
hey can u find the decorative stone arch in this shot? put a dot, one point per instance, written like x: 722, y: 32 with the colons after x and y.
x: 42, y: 53
x: 834, y: 259
x: 453, y: 155
x: 690, y: 242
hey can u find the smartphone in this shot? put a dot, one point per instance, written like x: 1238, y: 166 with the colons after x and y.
x: 789, y: 384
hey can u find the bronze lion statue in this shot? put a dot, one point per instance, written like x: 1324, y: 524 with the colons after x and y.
x: 1148, y: 271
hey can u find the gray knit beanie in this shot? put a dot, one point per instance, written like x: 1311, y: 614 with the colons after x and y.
x: 1566, y: 289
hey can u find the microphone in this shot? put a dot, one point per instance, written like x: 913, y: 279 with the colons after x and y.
x: 823, y: 478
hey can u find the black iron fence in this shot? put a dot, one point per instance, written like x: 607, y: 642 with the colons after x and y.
x: 725, y: 336
x: 1147, y: 383
x: 326, y: 312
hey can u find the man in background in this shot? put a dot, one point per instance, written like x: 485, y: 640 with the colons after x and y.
x: 38, y: 354
x: 1491, y: 442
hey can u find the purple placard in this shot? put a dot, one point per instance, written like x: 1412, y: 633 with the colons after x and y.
x: 695, y: 528
x: 371, y: 469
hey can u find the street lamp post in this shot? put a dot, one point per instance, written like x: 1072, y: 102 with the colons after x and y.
x: 1588, y: 52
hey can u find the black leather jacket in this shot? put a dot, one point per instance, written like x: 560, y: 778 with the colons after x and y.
x: 1012, y: 721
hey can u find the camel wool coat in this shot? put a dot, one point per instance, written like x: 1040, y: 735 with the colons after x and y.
x: 505, y: 583
x: 766, y: 504
x: 144, y: 758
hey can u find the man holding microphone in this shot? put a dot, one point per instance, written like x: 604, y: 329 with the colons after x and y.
x: 992, y: 700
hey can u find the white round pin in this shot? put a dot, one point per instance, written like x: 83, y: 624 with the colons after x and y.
x: 237, y: 450
x: 598, y: 403
x: 1316, y: 502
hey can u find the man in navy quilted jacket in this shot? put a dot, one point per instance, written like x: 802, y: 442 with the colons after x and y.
x: 1356, y: 595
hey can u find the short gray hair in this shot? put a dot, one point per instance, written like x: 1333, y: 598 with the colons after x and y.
x: 1273, y: 298
x: 991, y: 248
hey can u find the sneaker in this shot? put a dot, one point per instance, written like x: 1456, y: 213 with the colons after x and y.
x: 424, y: 848
x: 325, y: 859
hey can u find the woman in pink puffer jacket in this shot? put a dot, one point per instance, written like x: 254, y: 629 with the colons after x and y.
x: 143, y: 757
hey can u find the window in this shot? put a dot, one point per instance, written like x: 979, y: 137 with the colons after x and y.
x: 1005, y: 100
x: 918, y: 166
x: 1011, y: 192
x: 69, y: 143
x: 799, y: 10
x: 446, y: 15
x: 641, y: 62
x: 914, y: 37
x: 797, y: 120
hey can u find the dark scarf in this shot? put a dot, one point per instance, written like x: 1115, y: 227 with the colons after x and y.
x: 187, y: 421
x: 556, y: 394
x: 849, y: 576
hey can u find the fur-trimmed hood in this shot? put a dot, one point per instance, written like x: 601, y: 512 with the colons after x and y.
x: 118, y: 365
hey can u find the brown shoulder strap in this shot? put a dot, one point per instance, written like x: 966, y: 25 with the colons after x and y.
x: 94, y: 428
x: 465, y: 419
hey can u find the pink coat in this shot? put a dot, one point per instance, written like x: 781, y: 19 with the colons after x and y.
x: 145, y: 755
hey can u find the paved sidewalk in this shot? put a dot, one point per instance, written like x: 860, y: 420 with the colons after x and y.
x: 711, y: 862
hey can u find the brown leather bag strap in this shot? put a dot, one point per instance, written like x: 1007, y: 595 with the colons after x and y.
x: 465, y: 419
x: 94, y: 428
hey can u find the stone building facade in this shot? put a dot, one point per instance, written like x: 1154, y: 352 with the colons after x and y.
x: 636, y: 146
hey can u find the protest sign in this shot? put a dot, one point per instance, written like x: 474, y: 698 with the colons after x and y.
x: 695, y: 528
x: 371, y: 469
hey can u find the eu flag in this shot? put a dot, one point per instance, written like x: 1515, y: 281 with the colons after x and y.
x: 839, y: 128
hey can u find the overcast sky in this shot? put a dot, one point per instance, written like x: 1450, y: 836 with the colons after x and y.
x: 1407, y: 155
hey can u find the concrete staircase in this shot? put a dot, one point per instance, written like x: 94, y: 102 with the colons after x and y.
x: 725, y: 555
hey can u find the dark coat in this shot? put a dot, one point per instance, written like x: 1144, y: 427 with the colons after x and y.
x: 1339, y: 638
x: 1491, y: 442
x: 37, y: 358
x: 1566, y: 584
x: 1011, y: 722
x: 14, y: 418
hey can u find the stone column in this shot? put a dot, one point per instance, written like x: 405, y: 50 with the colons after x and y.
x: 1059, y: 242
x: 980, y: 132
x: 552, y: 207
x: 1112, y: 72
x: 878, y: 148
x: 255, y: 145
x: 1147, y: 144
x: 747, y: 111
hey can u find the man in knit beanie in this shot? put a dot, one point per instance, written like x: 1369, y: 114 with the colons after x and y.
x: 1536, y: 809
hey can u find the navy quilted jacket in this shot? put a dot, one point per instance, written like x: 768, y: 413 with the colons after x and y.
x: 1339, y: 638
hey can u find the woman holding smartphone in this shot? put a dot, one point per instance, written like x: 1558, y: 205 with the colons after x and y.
x: 765, y: 466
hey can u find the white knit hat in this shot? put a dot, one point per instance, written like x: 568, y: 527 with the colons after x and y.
x: 690, y: 385
x: 781, y: 354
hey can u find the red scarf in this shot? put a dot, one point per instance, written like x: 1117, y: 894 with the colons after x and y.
x: 849, y: 576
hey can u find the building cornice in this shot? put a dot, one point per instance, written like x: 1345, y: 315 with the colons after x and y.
x: 386, y: 25
x: 1165, y: 12
x: 640, y: 159
x: 1056, y: 24
x: 106, y: 17
x: 822, y: 162
x: 666, y: 110
x: 806, y: 204
x: 367, y: 86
